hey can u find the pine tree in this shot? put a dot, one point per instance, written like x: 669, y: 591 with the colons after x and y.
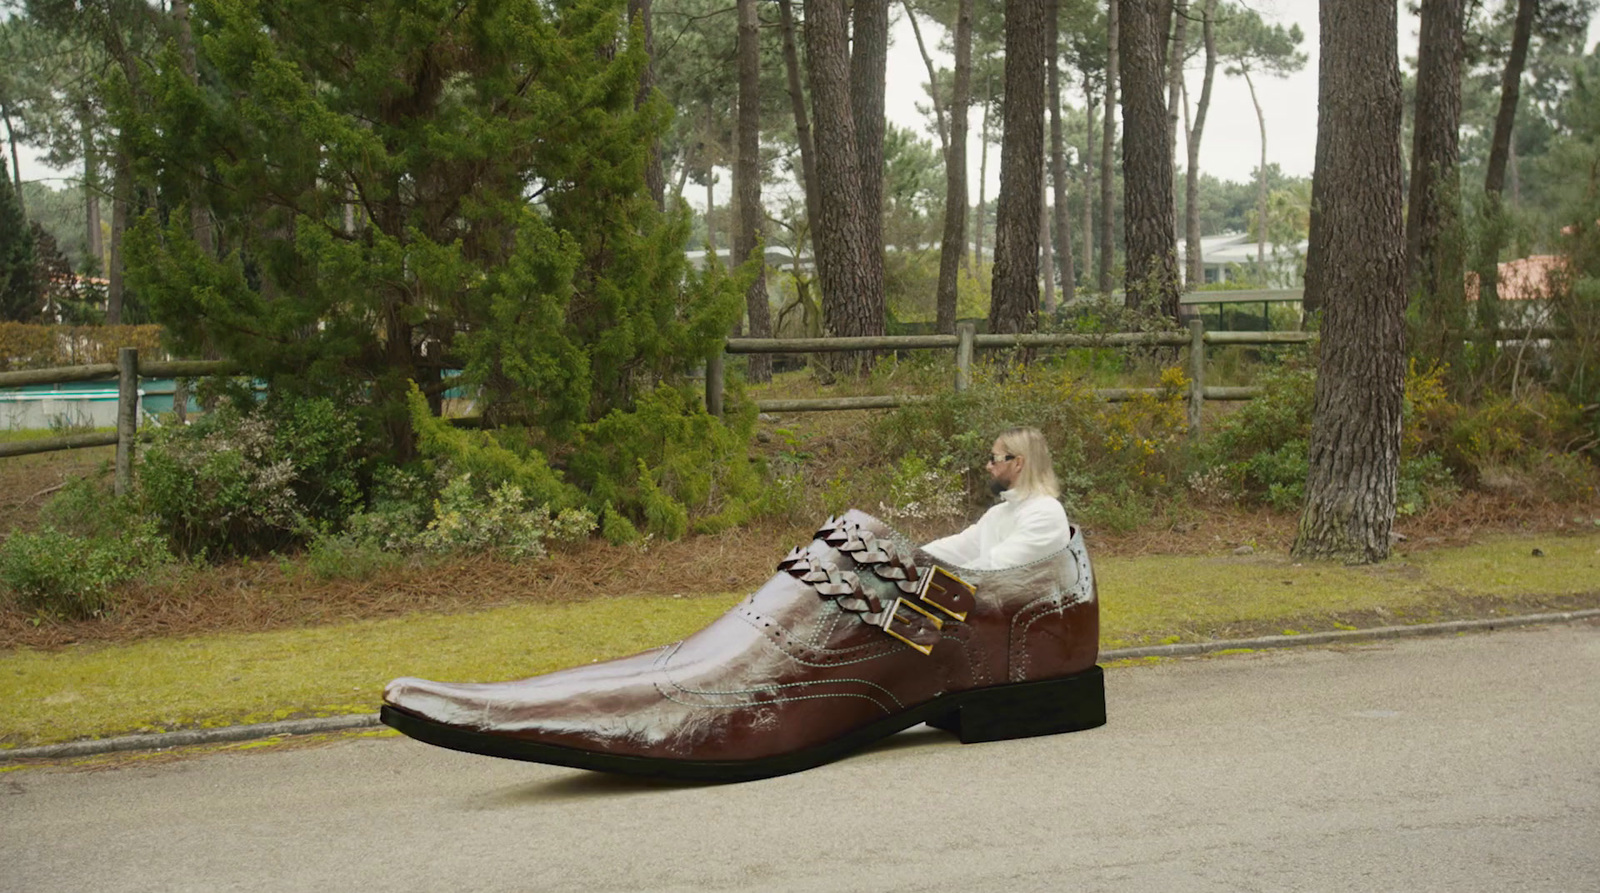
x: 403, y: 187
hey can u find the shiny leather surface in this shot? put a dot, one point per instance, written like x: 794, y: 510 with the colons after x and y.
x: 788, y: 667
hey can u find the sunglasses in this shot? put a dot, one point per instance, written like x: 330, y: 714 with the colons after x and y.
x: 996, y: 460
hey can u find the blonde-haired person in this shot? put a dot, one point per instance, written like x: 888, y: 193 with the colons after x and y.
x: 1028, y: 524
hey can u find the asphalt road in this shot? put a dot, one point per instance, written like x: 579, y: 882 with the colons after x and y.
x: 1457, y: 764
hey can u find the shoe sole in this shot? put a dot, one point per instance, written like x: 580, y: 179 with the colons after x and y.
x: 1016, y: 710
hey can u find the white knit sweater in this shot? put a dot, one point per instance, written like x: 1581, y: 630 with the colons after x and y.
x: 1015, y: 532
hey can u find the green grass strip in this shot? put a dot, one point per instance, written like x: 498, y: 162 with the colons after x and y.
x: 97, y: 691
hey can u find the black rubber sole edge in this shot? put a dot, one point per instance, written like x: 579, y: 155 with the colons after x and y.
x: 1016, y: 710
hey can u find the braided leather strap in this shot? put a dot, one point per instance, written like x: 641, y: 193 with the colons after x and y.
x: 909, y: 617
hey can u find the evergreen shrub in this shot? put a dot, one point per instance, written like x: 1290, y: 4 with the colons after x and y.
x: 75, y: 577
x: 670, y: 466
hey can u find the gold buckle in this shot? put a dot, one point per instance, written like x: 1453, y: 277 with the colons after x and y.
x: 909, y: 623
x: 948, y: 592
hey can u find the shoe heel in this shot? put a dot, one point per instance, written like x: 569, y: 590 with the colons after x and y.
x: 1026, y: 709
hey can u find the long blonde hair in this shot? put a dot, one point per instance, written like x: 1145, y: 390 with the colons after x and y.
x: 1038, y: 477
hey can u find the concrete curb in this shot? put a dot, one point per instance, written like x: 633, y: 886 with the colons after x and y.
x: 228, y: 734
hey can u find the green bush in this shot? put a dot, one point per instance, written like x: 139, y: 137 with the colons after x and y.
x: 509, y: 523
x: 668, y: 465
x: 222, y: 486
x: 75, y: 577
x: 249, y: 479
x: 616, y: 528
x: 486, y: 456
x: 1259, y: 452
x: 346, y: 556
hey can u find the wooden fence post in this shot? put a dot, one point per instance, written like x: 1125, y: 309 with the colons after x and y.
x: 714, y: 381
x: 964, y: 333
x: 127, y: 416
x: 1197, y: 374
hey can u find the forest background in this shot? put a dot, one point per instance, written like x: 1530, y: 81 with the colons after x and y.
x: 372, y: 207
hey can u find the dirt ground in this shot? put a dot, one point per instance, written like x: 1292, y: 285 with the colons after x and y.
x: 262, y: 594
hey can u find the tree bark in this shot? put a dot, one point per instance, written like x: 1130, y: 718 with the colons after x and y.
x: 91, y: 193
x: 16, y: 168
x: 747, y: 185
x: 849, y: 263
x: 199, y: 214
x: 1013, y: 303
x: 1090, y: 100
x: 933, y: 77
x: 1191, y: 188
x: 1014, y: 296
x: 1494, y: 228
x: 1261, y: 187
x: 121, y: 200
x: 1058, y: 158
x: 1108, y: 145
x: 640, y: 12
x: 1355, y: 431
x: 1433, y: 271
x: 1152, y: 276
x: 797, y: 101
x: 983, y: 178
x: 954, y: 246
x: 869, y: 63
x: 1180, y: 34
x: 1510, y: 93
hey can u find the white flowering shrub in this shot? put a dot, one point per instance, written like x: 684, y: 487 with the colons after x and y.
x: 507, y: 523
x: 924, y: 490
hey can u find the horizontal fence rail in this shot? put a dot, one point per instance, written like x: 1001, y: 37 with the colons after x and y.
x: 967, y: 340
x: 127, y: 371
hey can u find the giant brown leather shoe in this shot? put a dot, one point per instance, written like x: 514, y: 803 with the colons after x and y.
x: 857, y: 636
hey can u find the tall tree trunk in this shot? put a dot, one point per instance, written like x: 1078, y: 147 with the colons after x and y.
x: 711, y: 198
x: 16, y: 168
x: 1180, y: 35
x: 199, y: 211
x: 869, y: 63
x: 1261, y: 187
x: 747, y: 184
x: 933, y: 77
x: 1191, y: 188
x: 1152, y: 276
x: 954, y: 246
x: 1090, y: 99
x: 91, y: 193
x: 797, y: 101
x: 1058, y: 158
x: 983, y: 178
x: 640, y: 12
x: 849, y: 262
x: 1433, y: 269
x: 1355, y: 429
x: 1108, y: 146
x: 121, y: 200
x: 1510, y: 93
x: 1494, y: 229
x: 1014, y: 296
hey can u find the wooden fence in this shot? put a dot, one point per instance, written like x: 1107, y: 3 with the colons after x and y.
x: 127, y: 371
x: 966, y: 341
